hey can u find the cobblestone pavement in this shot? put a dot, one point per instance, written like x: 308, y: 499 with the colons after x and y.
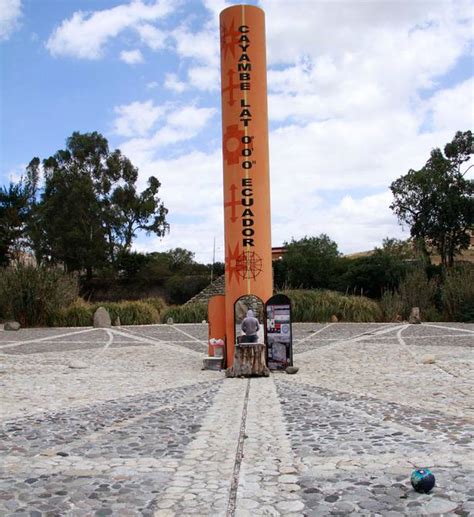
x: 140, y: 429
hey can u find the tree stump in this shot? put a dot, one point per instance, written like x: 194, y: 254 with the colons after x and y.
x: 249, y: 361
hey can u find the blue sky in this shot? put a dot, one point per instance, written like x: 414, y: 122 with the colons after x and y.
x: 359, y: 92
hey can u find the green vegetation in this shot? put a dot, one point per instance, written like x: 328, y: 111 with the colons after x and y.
x: 320, y: 305
x: 32, y: 296
x: 437, y: 202
x: 81, y: 313
x: 191, y: 313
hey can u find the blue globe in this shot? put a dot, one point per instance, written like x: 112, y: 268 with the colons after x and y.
x: 422, y: 480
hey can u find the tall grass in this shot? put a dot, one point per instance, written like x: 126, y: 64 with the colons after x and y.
x: 81, y: 313
x: 416, y: 290
x: 457, y: 294
x: 321, y: 305
x: 391, y: 305
x: 33, y: 295
x: 191, y: 313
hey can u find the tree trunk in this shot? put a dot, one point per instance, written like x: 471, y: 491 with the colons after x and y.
x: 249, y: 361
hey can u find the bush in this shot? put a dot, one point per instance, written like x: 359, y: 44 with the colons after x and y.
x: 78, y: 314
x: 391, y: 305
x: 81, y: 313
x: 131, y: 313
x: 157, y: 303
x: 33, y: 295
x: 192, y: 313
x: 319, y: 305
x: 416, y: 290
x: 457, y: 294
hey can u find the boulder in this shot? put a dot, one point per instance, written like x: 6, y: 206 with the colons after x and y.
x: 117, y: 322
x: 291, y: 370
x: 169, y: 321
x: 102, y: 318
x: 334, y: 318
x: 414, y: 316
x: 12, y: 325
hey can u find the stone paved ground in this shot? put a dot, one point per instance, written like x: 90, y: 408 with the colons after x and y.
x: 142, y: 430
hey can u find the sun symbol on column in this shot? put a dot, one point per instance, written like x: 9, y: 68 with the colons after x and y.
x: 248, y: 265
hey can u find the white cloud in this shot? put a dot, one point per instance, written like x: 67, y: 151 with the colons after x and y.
x: 10, y: 12
x: 453, y: 108
x: 84, y: 35
x: 151, y: 36
x: 173, y: 83
x: 137, y: 118
x: 131, y: 57
x: 179, y: 125
x: 152, y: 84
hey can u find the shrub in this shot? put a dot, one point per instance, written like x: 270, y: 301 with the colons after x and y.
x: 78, y: 314
x: 33, y: 295
x: 457, y: 294
x: 391, y: 305
x: 131, y: 313
x: 192, y: 313
x: 157, y: 303
x: 416, y: 290
x: 319, y: 305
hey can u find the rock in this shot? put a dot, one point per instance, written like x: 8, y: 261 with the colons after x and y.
x: 334, y: 318
x: 291, y: 370
x: 439, y: 506
x: 414, y: 316
x: 203, y: 322
x: 102, y: 318
x: 78, y: 365
x: 12, y: 325
x: 290, y: 506
x: 428, y: 359
x: 169, y: 321
x: 117, y: 322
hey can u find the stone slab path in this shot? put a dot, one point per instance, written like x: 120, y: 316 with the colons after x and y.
x: 142, y: 430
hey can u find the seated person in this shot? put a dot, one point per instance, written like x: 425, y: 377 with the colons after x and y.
x: 250, y: 327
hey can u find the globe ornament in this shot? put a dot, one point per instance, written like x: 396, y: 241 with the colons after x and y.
x: 422, y: 480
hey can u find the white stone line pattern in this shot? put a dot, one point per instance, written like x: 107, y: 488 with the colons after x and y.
x: 152, y: 341
x: 48, y: 338
x: 298, y: 341
x: 201, y: 483
x: 234, y: 485
x: 356, y: 339
x: 269, y: 472
x: 189, y: 335
x: 106, y: 346
x: 449, y: 328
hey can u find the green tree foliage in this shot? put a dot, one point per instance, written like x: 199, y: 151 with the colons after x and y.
x: 373, y: 274
x: 437, y: 202
x: 90, y: 209
x: 14, y: 211
x: 310, y: 262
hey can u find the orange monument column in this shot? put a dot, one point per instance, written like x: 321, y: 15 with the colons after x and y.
x: 248, y: 257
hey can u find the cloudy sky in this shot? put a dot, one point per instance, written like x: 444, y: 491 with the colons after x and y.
x: 359, y: 92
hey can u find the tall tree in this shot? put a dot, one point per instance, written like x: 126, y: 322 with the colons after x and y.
x: 309, y: 262
x: 90, y: 208
x: 437, y: 202
x: 14, y: 203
